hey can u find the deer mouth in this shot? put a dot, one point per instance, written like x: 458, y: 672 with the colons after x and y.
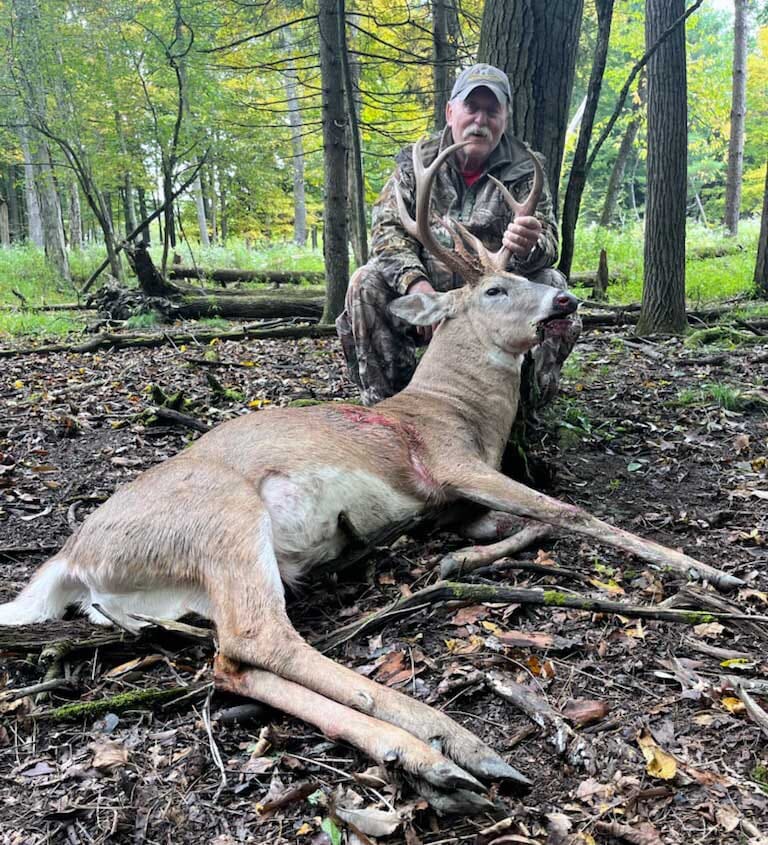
x: 554, y: 326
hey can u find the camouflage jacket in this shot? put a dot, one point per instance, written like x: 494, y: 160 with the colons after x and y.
x: 480, y: 207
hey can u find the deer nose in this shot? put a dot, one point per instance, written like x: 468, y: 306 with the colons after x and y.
x: 566, y: 303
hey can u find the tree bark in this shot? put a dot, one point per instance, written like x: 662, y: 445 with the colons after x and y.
x: 444, y: 55
x: 663, y: 304
x: 738, y: 113
x: 761, y: 265
x: 579, y: 171
x: 14, y: 203
x: 356, y: 188
x: 336, y: 253
x: 297, y: 144
x: 616, y: 178
x: 34, y: 221
x: 142, y: 195
x: 50, y: 212
x: 536, y: 43
x: 75, y: 216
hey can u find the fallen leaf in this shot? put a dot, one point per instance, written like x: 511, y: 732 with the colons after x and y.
x: 108, y: 755
x: 610, y: 587
x: 741, y: 443
x: 585, y: 711
x: 709, y: 629
x: 469, y: 615
x: 727, y: 819
x: 659, y: 764
x: 371, y: 821
x: 732, y: 705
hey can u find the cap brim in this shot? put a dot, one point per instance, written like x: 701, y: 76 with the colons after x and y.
x: 497, y: 90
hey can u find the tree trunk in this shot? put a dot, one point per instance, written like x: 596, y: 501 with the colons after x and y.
x: 356, y: 187
x: 142, y: 195
x: 663, y: 305
x: 34, y: 220
x: 202, y: 221
x: 738, y: 113
x: 75, y: 216
x: 579, y: 170
x: 206, y: 183
x: 297, y: 144
x: 335, y: 250
x: 50, y: 212
x: 536, y: 43
x: 616, y: 178
x: 444, y: 55
x: 14, y: 213
x: 761, y: 265
x: 5, y: 228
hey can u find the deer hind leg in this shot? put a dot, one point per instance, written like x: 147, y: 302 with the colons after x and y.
x: 482, y: 485
x: 253, y: 629
x: 524, y: 533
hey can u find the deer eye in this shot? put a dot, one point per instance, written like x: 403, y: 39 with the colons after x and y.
x: 495, y: 292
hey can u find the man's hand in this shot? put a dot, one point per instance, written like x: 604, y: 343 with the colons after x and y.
x: 522, y: 235
x: 424, y: 333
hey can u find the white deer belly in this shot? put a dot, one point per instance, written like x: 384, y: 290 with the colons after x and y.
x: 305, y: 510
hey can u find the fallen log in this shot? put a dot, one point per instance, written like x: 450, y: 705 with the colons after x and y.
x: 243, y: 307
x: 116, y: 341
x: 232, y: 276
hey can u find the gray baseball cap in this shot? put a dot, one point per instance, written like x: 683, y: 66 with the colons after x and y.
x: 482, y: 75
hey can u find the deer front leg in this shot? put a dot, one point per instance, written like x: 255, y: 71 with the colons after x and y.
x: 479, y: 483
x: 386, y: 744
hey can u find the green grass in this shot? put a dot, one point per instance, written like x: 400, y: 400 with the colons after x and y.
x: 709, y: 279
x: 42, y: 324
x: 723, y: 395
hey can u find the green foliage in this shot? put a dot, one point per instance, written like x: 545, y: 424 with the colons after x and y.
x: 40, y: 324
x: 723, y: 395
x: 148, y: 320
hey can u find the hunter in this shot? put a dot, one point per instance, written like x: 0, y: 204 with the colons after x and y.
x: 380, y: 349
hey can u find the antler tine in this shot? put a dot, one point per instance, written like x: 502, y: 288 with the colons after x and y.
x: 420, y: 228
x: 497, y: 261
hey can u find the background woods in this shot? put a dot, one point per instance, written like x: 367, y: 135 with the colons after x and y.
x: 281, y: 119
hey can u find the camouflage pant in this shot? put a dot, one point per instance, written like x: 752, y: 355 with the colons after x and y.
x: 380, y: 348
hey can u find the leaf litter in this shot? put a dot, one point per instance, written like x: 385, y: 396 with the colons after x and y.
x: 73, y: 427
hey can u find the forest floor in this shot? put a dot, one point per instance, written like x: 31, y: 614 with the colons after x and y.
x: 667, y: 441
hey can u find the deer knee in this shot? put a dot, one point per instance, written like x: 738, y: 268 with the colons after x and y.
x: 270, y: 644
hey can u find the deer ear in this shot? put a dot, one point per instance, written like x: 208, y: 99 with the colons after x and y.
x: 423, y: 309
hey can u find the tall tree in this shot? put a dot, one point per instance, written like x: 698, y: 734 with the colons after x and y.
x: 297, y: 144
x: 761, y: 265
x: 663, y: 303
x: 738, y: 115
x: 335, y: 249
x: 578, y: 175
x: 536, y: 44
x: 444, y: 54
x: 616, y: 179
x: 356, y: 189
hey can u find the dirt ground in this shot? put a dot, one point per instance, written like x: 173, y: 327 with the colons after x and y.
x: 667, y: 441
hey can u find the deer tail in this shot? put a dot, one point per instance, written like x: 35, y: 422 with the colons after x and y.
x: 52, y: 589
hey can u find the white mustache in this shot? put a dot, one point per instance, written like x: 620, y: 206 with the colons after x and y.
x: 476, y: 131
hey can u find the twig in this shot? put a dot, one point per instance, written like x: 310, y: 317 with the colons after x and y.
x: 452, y: 590
x: 206, y: 717
x: 113, y: 704
x: 43, y: 686
x: 179, y: 419
x: 755, y: 711
x: 116, y: 622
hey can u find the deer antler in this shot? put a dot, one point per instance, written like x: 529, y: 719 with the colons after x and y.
x: 457, y: 259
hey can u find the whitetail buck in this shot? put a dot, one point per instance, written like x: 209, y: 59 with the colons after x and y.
x: 259, y: 500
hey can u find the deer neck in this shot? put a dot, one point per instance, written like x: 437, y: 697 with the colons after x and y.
x: 468, y: 385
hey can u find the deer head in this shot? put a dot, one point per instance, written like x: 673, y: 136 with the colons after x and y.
x: 511, y: 312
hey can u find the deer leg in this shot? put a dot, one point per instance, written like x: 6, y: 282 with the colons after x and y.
x: 473, y: 557
x: 386, y: 744
x: 253, y: 628
x: 482, y: 485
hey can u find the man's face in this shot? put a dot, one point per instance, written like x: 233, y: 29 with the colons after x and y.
x: 480, y: 118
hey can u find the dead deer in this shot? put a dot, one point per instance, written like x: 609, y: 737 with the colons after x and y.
x: 259, y: 500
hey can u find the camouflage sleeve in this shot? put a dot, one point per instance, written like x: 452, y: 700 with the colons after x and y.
x: 545, y: 253
x: 398, y: 255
